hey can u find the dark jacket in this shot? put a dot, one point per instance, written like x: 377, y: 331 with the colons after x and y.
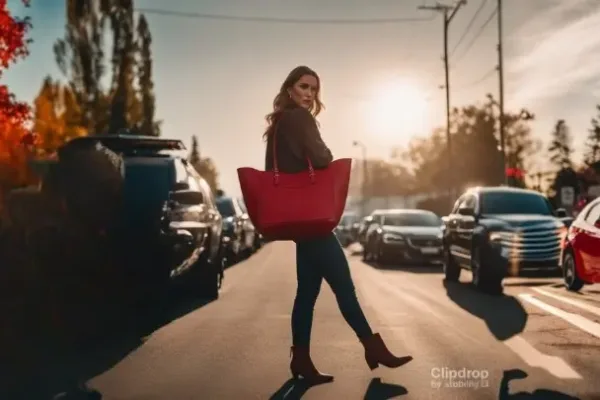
x: 298, y: 137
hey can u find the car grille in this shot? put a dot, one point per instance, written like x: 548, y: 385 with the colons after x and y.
x: 425, y: 241
x: 534, y: 244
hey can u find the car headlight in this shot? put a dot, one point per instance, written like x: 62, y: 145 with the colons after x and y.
x: 392, y: 237
x: 496, y: 237
x: 505, y: 238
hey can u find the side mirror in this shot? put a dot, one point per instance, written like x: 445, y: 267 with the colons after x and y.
x: 187, y: 197
x: 467, y: 211
x: 561, y: 213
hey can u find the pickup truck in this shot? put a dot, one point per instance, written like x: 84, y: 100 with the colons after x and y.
x: 501, y: 231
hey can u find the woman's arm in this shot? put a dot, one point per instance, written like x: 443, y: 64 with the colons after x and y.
x: 306, y: 138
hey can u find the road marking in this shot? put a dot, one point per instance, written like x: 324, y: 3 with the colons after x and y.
x: 533, y: 357
x: 577, y: 320
x: 576, y: 303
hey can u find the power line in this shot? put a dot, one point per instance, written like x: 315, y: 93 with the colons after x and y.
x: 481, y: 29
x: 469, y: 26
x: 276, y: 20
x: 479, y: 81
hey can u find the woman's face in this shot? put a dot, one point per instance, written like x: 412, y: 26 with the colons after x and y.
x: 304, y: 92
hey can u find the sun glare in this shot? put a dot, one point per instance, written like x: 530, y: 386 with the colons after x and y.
x: 398, y: 108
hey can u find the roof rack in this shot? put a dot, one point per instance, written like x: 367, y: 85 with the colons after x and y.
x: 130, y: 143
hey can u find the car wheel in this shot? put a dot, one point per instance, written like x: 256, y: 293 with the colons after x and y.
x: 211, y: 277
x: 483, y: 278
x: 380, y: 255
x: 451, y: 268
x: 366, y: 255
x: 571, y: 278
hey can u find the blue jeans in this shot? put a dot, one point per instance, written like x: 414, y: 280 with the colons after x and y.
x: 318, y: 259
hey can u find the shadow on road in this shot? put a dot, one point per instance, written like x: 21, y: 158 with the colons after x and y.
x: 538, y: 394
x: 61, y: 373
x: 412, y: 268
x: 292, y: 389
x: 378, y: 390
x: 504, y: 315
x: 529, y: 283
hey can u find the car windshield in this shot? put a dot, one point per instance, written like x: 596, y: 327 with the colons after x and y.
x: 514, y: 203
x: 225, y: 207
x: 412, y: 219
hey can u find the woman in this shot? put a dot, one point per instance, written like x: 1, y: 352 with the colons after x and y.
x: 321, y: 258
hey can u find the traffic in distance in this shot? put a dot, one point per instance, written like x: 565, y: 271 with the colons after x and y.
x: 494, y: 232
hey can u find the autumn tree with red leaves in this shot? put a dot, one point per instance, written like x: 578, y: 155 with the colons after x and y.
x: 15, y: 139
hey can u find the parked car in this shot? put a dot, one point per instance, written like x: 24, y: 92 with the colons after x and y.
x: 344, y: 231
x: 238, y: 231
x: 258, y: 238
x: 404, y: 236
x: 500, y: 231
x: 362, y: 229
x: 170, y: 227
x: 580, y: 256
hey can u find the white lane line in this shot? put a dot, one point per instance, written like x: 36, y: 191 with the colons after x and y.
x: 577, y: 320
x: 554, y: 365
x: 533, y: 357
x: 576, y: 303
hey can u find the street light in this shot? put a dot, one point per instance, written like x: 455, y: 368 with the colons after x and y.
x: 356, y: 143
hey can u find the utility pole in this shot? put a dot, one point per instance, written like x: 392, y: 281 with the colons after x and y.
x: 501, y: 93
x: 449, y: 12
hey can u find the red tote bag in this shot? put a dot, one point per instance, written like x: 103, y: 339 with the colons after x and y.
x: 296, y: 206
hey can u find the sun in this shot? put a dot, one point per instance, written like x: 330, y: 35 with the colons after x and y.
x: 398, y: 108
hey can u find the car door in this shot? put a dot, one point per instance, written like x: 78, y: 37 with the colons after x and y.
x: 374, y: 225
x: 464, y: 230
x: 589, y: 241
x: 213, y: 220
x: 247, y: 231
x: 452, y: 227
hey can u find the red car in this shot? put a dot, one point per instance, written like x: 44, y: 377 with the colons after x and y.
x: 580, y: 258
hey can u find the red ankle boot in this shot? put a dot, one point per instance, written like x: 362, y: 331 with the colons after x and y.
x: 377, y: 353
x: 302, y: 366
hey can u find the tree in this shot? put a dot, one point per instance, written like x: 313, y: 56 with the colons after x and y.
x: 476, y: 159
x: 56, y: 115
x: 384, y: 179
x: 81, y: 55
x: 15, y: 138
x: 592, y: 145
x: 205, y: 166
x: 560, y: 150
x: 194, y: 157
x: 147, y: 124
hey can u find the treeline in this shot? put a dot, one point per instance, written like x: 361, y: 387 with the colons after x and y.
x: 423, y: 167
x: 104, y: 92
x: 106, y: 87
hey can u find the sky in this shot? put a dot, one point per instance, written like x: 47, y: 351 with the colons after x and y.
x: 217, y: 78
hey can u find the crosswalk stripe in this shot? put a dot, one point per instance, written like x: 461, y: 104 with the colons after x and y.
x: 577, y: 320
x: 573, y: 302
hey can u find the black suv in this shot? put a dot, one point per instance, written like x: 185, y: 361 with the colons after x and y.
x: 500, y: 231
x: 170, y: 229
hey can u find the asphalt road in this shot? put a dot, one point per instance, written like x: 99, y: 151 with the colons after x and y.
x: 526, y: 344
